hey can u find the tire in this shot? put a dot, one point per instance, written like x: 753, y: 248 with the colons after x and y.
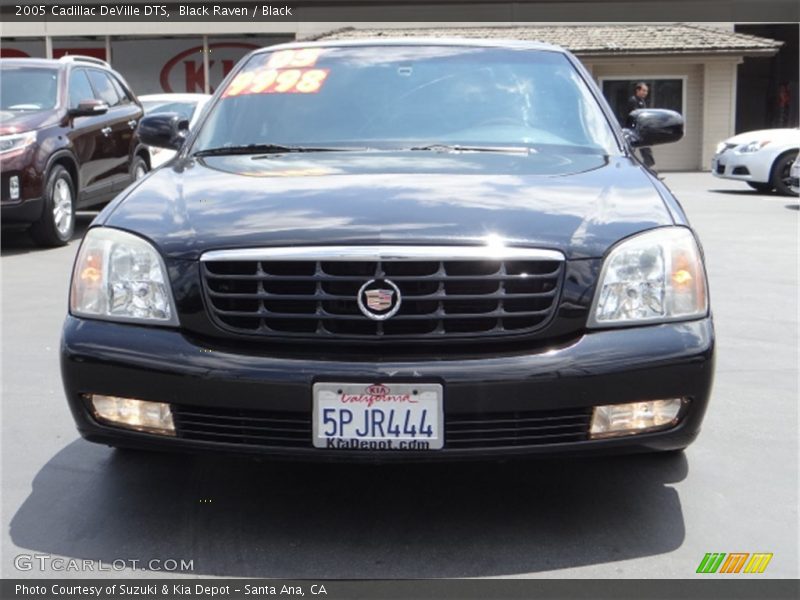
x: 760, y: 187
x: 57, y: 223
x: 138, y: 168
x: 780, y: 173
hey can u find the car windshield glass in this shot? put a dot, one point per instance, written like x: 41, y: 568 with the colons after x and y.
x: 184, y: 109
x: 28, y: 89
x: 408, y: 96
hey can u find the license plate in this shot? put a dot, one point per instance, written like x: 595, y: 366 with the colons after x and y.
x: 397, y: 416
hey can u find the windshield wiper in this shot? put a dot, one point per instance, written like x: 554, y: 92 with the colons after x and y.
x: 261, y: 149
x: 459, y: 148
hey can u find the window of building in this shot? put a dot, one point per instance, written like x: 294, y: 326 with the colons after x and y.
x: 663, y: 93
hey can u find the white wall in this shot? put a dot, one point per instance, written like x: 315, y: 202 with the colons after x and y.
x: 719, y: 105
x: 682, y: 155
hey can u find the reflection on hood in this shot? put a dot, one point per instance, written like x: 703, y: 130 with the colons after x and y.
x: 580, y: 204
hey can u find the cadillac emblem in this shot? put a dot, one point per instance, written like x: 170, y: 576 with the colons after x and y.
x: 379, y: 299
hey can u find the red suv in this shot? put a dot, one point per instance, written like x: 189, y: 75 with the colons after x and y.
x: 67, y: 141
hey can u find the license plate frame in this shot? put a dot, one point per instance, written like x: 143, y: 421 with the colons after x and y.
x: 375, y: 409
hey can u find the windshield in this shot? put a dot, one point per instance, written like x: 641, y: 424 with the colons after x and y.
x: 408, y: 96
x: 184, y: 109
x: 27, y: 88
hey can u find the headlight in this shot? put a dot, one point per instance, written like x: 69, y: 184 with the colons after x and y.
x: 652, y: 277
x: 120, y: 277
x: 16, y: 141
x: 753, y: 146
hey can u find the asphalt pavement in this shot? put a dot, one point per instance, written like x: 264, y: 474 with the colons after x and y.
x: 734, y: 490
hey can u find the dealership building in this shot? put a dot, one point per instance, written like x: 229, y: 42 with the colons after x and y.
x: 724, y: 78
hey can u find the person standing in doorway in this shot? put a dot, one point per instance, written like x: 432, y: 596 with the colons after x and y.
x: 636, y: 102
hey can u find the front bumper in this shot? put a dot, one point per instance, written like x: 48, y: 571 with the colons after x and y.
x: 601, y: 367
x: 24, y: 212
x: 740, y: 167
x: 28, y: 208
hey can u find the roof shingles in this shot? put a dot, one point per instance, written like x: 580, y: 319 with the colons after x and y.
x: 593, y: 40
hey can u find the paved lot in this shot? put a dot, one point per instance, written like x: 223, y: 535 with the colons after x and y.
x: 734, y: 490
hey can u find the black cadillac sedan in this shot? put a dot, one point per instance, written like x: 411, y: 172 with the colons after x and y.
x: 395, y: 250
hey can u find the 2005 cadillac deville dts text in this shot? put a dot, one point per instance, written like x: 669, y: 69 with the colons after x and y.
x: 395, y: 250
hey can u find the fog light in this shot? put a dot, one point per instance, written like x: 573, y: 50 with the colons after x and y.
x: 13, y: 187
x: 150, y: 417
x: 636, y: 417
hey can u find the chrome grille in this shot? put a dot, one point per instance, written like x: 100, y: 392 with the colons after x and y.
x: 446, y: 292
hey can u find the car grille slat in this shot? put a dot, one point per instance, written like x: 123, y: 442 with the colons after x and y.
x: 518, y: 428
x: 522, y: 421
x: 188, y: 424
x: 250, y: 427
x: 469, y: 431
x: 438, y: 314
x: 212, y: 275
x: 512, y: 428
x: 440, y: 298
x: 325, y: 296
x: 240, y: 438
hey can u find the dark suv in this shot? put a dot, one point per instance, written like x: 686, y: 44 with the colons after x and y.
x: 67, y: 140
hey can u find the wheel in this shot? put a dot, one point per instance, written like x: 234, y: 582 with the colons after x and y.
x: 760, y: 187
x: 57, y: 223
x: 780, y: 173
x: 138, y: 168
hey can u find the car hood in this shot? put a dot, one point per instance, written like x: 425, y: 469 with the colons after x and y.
x: 774, y: 135
x: 577, y: 203
x: 22, y: 121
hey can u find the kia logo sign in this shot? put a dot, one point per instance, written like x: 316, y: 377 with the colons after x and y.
x: 184, y: 72
x: 377, y: 390
x: 12, y: 53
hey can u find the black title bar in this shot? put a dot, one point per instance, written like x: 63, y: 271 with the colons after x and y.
x: 461, y: 589
x: 399, y: 10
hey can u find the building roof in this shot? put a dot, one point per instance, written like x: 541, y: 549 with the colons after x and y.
x: 592, y: 40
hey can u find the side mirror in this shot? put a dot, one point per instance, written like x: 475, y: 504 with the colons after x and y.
x: 164, y: 130
x: 653, y: 126
x: 89, y: 108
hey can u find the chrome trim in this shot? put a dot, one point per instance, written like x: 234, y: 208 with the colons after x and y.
x: 73, y: 58
x: 383, y: 253
x: 369, y: 313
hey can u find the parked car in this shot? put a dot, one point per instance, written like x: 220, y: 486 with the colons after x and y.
x: 67, y: 141
x: 396, y: 249
x: 794, y: 176
x: 188, y: 106
x: 759, y: 158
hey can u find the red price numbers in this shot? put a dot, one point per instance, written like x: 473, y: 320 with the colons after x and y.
x: 277, y: 81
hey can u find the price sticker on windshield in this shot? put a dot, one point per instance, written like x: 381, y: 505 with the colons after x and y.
x: 294, y: 59
x: 277, y: 81
x: 286, y: 72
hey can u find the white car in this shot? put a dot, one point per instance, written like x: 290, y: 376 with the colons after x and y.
x: 189, y: 106
x: 794, y: 176
x: 759, y: 158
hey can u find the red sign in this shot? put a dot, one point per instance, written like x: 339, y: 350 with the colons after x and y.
x: 186, y: 69
x: 93, y: 52
x: 12, y: 53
